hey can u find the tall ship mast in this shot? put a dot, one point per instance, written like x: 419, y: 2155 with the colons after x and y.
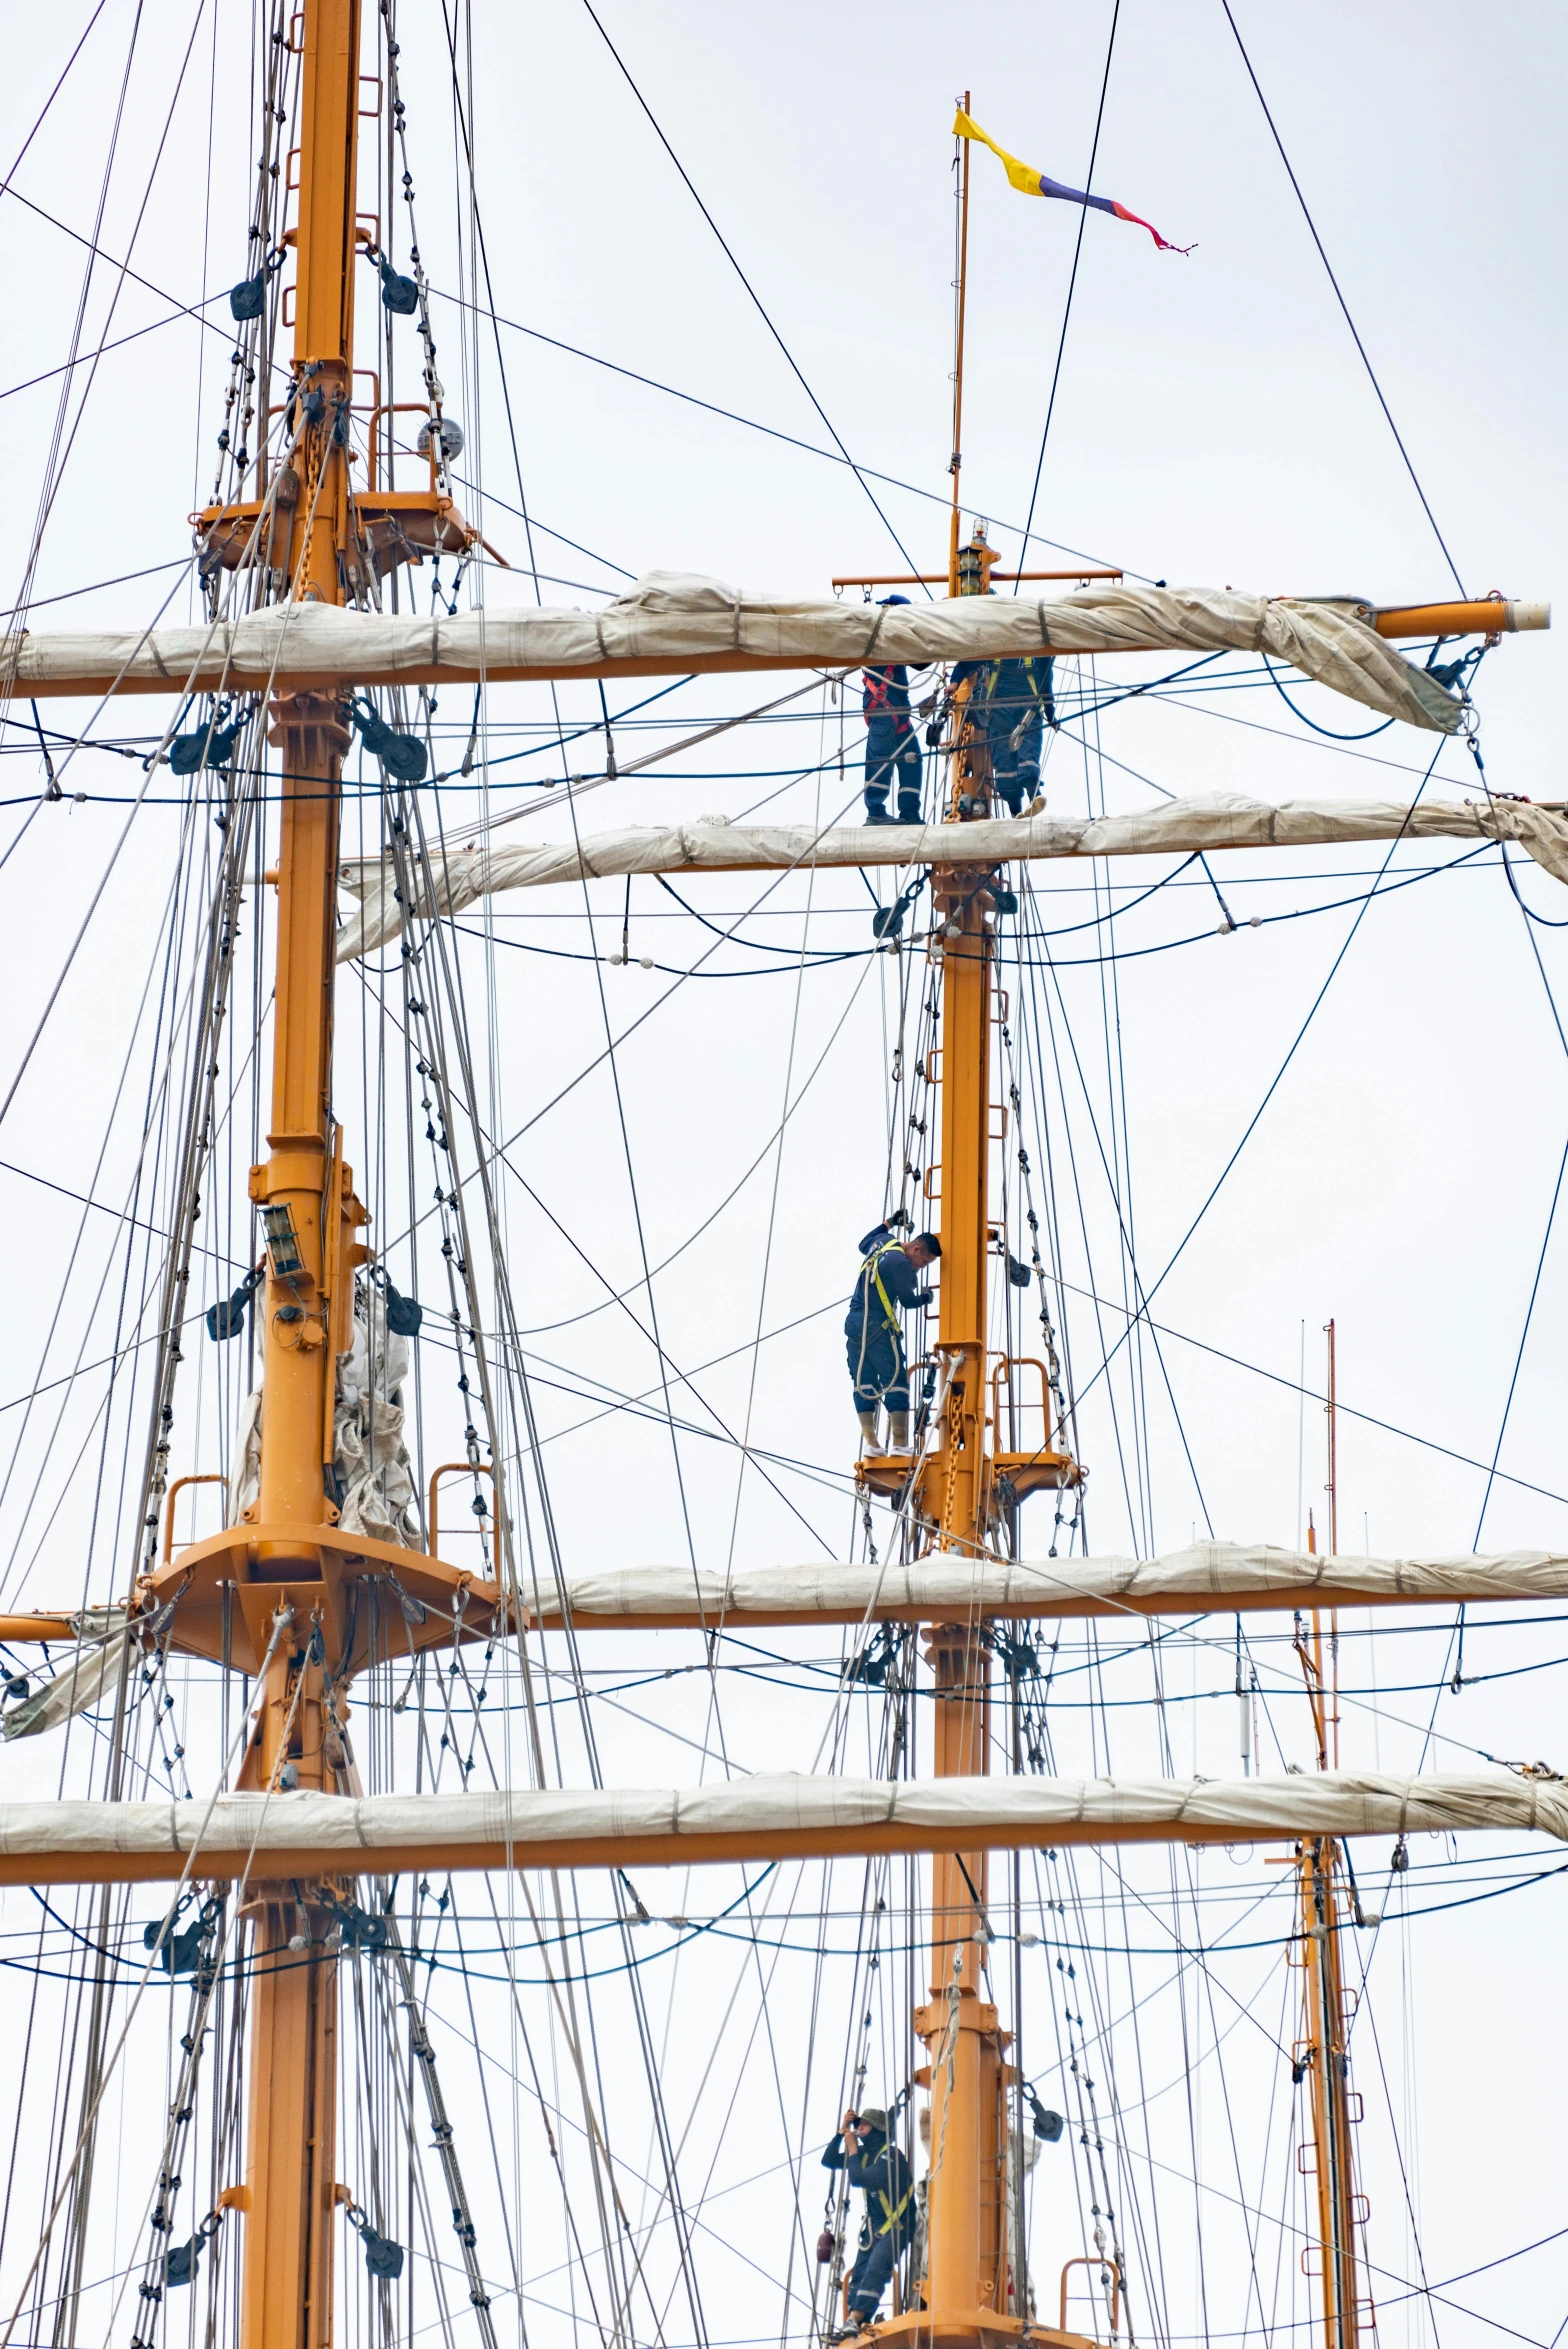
x: 340, y: 1902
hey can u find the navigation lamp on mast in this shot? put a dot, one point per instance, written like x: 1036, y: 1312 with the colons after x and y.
x: 974, y: 563
x: 277, y: 1221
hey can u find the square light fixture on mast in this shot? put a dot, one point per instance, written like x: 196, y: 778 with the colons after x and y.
x: 282, y: 1241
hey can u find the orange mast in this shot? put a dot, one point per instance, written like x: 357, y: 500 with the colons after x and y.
x: 308, y: 1211
x: 960, y: 1497
x: 1322, y: 2056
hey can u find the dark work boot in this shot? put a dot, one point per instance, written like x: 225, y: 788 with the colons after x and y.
x: 908, y: 808
x: 876, y: 808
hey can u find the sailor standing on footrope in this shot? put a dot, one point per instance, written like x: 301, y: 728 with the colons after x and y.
x: 1011, y: 702
x: 873, y: 2163
x: 888, y: 1285
x: 892, y: 747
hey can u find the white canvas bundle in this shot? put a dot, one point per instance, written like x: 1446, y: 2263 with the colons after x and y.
x: 374, y: 1471
x: 375, y: 1475
x: 674, y: 620
x: 944, y: 1587
x: 593, y: 1826
x: 1179, y: 828
x: 87, y: 1677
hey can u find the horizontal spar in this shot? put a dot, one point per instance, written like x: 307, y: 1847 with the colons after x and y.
x: 674, y: 623
x: 1182, y: 827
x: 1253, y: 1577
x: 1223, y: 1576
x: 304, y: 1835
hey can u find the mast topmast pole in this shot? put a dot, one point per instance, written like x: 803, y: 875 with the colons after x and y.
x: 960, y: 292
x: 962, y: 1497
x: 968, y: 2253
x: 305, y: 1193
x: 1324, y: 2053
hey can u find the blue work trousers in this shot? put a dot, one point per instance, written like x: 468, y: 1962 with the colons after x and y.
x: 892, y: 757
x: 1015, y: 774
x: 877, y: 1369
x: 870, y: 2275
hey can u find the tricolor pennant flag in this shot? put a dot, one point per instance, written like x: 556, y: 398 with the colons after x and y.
x: 1030, y: 182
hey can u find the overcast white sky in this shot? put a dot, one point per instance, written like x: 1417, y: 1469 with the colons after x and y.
x: 1214, y: 424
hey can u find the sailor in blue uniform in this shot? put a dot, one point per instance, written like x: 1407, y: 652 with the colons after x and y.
x: 878, y: 2168
x: 888, y: 1285
x: 1011, y: 702
x: 892, y: 748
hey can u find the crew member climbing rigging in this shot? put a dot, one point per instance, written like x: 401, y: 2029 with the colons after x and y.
x: 1011, y: 703
x: 876, y: 2165
x: 892, y: 747
x: 887, y: 1285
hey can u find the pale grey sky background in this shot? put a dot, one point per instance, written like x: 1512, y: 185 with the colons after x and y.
x: 1214, y: 424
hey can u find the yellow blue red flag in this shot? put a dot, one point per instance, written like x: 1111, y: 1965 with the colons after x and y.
x: 1030, y: 182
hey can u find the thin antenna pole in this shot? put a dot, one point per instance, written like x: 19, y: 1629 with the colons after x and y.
x: 1333, y: 1453
x: 1301, y: 1428
x: 1332, y: 1414
x: 1325, y: 2049
x: 961, y: 288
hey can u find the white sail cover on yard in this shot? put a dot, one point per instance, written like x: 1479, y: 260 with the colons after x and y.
x: 675, y: 620
x: 460, y: 876
x: 369, y: 1457
x: 88, y: 1675
x: 41, y: 1842
x: 945, y: 1587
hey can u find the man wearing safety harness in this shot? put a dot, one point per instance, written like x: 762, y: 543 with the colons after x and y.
x: 873, y: 2163
x: 892, y: 747
x: 1011, y: 702
x: 874, y: 1340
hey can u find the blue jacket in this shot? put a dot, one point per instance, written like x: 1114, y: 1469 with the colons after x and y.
x: 1012, y: 686
x: 899, y: 1278
x: 881, y: 2173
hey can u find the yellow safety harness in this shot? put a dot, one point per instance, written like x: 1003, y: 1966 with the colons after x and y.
x: 893, y: 2216
x: 873, y: 1265
x: 1035, y: 667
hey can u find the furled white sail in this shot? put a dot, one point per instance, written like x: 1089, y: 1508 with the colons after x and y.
x: 945, y: 1587
x: 1182, y: 826
x: 87, y: 1677
x: 743, y: 1818
x: 375, y: 1475
x: 674, y: 620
